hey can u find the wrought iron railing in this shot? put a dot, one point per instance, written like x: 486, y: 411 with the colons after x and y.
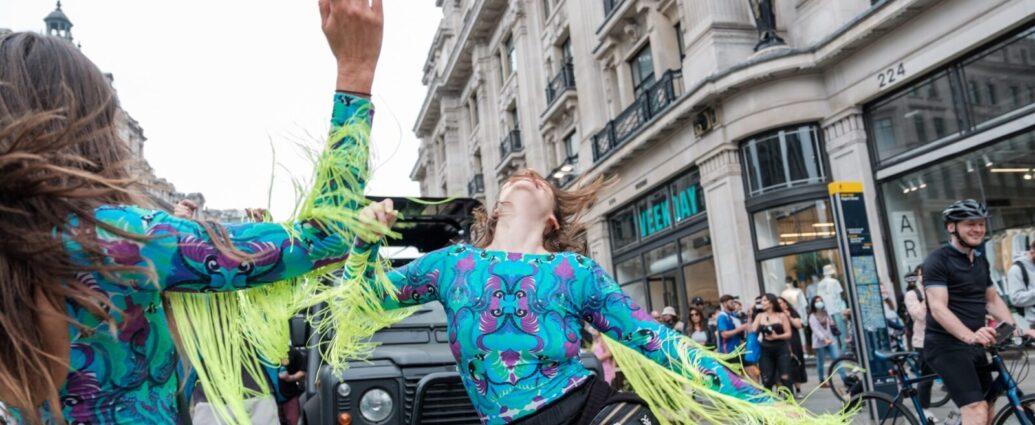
x: 476, y: 186
x: 565, y: 80
x: 511, y: 143
x: 651, y: 103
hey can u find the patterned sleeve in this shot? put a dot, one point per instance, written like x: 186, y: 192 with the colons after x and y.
x: 185, y: 258
x: 417, y: 282
x: 615, y: 314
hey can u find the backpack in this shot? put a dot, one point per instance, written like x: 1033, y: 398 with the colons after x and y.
x: 903, y: 311
x: 1024, y: 274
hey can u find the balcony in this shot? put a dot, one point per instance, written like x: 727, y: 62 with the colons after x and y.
x: 564, y: 174
x: 511, y: 144
x: 476, y: 186
x: 564, y: 81
x: 650, y: 104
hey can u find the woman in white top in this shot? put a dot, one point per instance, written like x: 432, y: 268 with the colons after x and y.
x: 698, y: 330
x: 916, y: 305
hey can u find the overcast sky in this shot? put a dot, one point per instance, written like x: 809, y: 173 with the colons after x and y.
x: 213, y: 83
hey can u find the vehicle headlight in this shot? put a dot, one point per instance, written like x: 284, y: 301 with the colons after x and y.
x: 376, y: 405
x: 344, y: 390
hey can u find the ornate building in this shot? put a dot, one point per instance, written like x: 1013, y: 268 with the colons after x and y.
x: 160, y: 191
x: 726, y: 119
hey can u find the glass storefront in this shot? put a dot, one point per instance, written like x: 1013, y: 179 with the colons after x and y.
x: 1001, y: 175
x: 794, y: 223
x: 662, y: 248
x: 993, y: 85
x: 967, y: 96
x: 806, y: 268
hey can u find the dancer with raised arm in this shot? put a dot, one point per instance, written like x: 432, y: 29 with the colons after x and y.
x: 83, y: 332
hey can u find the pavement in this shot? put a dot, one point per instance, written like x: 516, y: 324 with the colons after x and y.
x: 822, y: 400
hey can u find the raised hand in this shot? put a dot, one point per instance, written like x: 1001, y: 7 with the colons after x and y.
x: 354, y: 31
x: 381, y: 212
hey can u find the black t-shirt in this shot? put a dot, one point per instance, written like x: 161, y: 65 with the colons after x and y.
x: 966, y: 282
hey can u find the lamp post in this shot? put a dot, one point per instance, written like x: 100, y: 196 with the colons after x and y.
x: 765, y: 21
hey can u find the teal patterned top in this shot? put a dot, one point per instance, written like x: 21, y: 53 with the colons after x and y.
x: 514, y: 319
x: 126, y: 374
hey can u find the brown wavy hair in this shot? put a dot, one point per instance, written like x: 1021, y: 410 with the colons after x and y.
x: 569, y: 207
x: 60, y: 157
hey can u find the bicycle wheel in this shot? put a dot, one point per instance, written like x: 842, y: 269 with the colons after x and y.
x: 1006, y: 415
x: 848, y: 378
x: 880, y: 409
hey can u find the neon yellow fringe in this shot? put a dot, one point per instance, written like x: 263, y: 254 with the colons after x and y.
x: 225, y: 333
x: 688, y: 396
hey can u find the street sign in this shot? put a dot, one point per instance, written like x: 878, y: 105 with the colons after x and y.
x: 864, y: 295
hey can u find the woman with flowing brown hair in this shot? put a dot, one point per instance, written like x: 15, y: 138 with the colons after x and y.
x: 515, y: 302
x: 83, y: 334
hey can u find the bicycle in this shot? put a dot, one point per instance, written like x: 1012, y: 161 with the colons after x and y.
x: 882, y: 409
x: 850, y: 376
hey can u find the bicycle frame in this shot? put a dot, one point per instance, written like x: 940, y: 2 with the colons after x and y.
x: 907, y: 387
x: 1013, y: 393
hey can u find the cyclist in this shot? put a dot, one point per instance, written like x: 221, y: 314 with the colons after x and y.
x: 959, y: 296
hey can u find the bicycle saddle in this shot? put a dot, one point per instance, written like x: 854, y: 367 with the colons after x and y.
x: 895, y: 356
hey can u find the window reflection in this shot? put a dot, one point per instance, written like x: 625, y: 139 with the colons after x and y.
x: 783, y: 159
x: 794, y: 223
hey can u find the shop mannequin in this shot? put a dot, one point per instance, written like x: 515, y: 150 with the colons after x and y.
x: 794, y: 296
x: 830, y: 289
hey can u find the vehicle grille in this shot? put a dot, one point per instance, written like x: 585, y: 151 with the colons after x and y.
x: 445, y: 401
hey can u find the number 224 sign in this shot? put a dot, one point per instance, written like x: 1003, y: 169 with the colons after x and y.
x: 891, y: 75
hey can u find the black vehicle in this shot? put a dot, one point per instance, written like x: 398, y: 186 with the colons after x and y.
x: 411, y: 378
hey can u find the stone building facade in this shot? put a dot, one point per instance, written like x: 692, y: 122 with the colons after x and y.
x: 724, y: 152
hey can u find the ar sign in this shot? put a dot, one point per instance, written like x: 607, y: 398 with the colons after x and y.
x: 905, y: 231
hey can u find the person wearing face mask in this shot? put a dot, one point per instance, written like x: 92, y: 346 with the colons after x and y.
x: 822, y: 336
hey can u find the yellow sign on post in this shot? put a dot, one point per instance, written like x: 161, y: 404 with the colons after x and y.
x: 862, y: 283
x: 844, y: 187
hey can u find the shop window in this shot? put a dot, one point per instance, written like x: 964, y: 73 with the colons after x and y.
x: 806, y: 268
x: 795, y: 223
x: 663, y: 291
x: 992, y: 68
x: 899, y: 123
x: 783, y: 159
x: 623, y: 228
x: 662, y: 259
x: 700, y: 281
x: 629, y: 270
x: 687, y: 197
x: 1001, y: 175
x: 655, y: 214
x: 695, y: 247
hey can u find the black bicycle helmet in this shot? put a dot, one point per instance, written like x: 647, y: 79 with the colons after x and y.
x: 966, y: 209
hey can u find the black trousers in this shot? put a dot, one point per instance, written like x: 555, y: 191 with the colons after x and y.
x: 775, y: 362
x: 582, y: 405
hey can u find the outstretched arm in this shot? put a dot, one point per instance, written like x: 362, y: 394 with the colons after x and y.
x: 615, y: 314
x: 186, y: 255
